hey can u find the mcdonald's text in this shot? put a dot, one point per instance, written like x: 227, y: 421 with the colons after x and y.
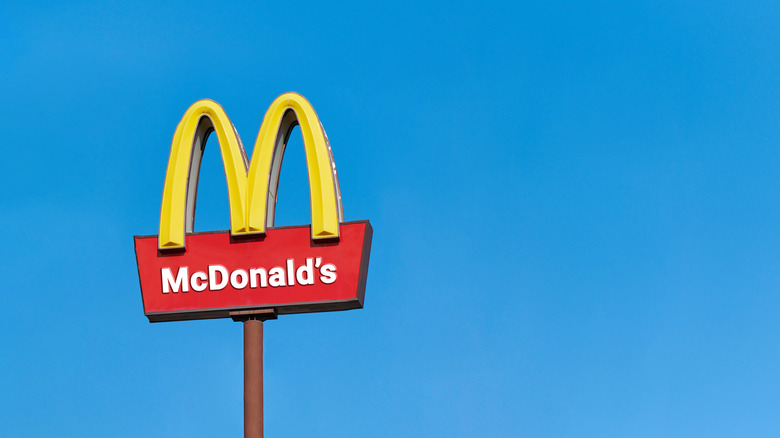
x: 216, y: 277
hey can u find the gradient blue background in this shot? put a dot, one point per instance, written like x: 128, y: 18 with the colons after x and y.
x: 577, y: 227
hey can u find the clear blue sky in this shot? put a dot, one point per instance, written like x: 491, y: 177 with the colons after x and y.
x: 575, y: 211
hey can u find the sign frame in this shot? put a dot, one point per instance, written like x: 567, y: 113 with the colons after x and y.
x: 281, y: 308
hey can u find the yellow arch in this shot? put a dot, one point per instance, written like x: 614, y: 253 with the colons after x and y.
x: 284, y: 113
x: 252, y: 197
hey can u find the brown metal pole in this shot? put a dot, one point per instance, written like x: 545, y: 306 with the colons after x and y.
x: 253, y: 367
x: 253, y: 378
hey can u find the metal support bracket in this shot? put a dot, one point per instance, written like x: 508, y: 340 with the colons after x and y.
x: 253, y: 315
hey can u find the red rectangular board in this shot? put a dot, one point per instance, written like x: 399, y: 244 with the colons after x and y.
x: 284, y: 270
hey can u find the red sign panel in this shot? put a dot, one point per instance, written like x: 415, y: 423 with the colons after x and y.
x: 285, y: 270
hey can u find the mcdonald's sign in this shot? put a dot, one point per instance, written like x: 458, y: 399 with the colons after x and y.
x: 322, y: 267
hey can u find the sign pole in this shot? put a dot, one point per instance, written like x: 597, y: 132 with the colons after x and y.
x: 253, y: 378
x: 253, y: 368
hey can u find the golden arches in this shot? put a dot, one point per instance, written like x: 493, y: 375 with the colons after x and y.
x: 252, y: 188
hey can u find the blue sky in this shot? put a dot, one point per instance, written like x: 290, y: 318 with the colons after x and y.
x: 575, y: 212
